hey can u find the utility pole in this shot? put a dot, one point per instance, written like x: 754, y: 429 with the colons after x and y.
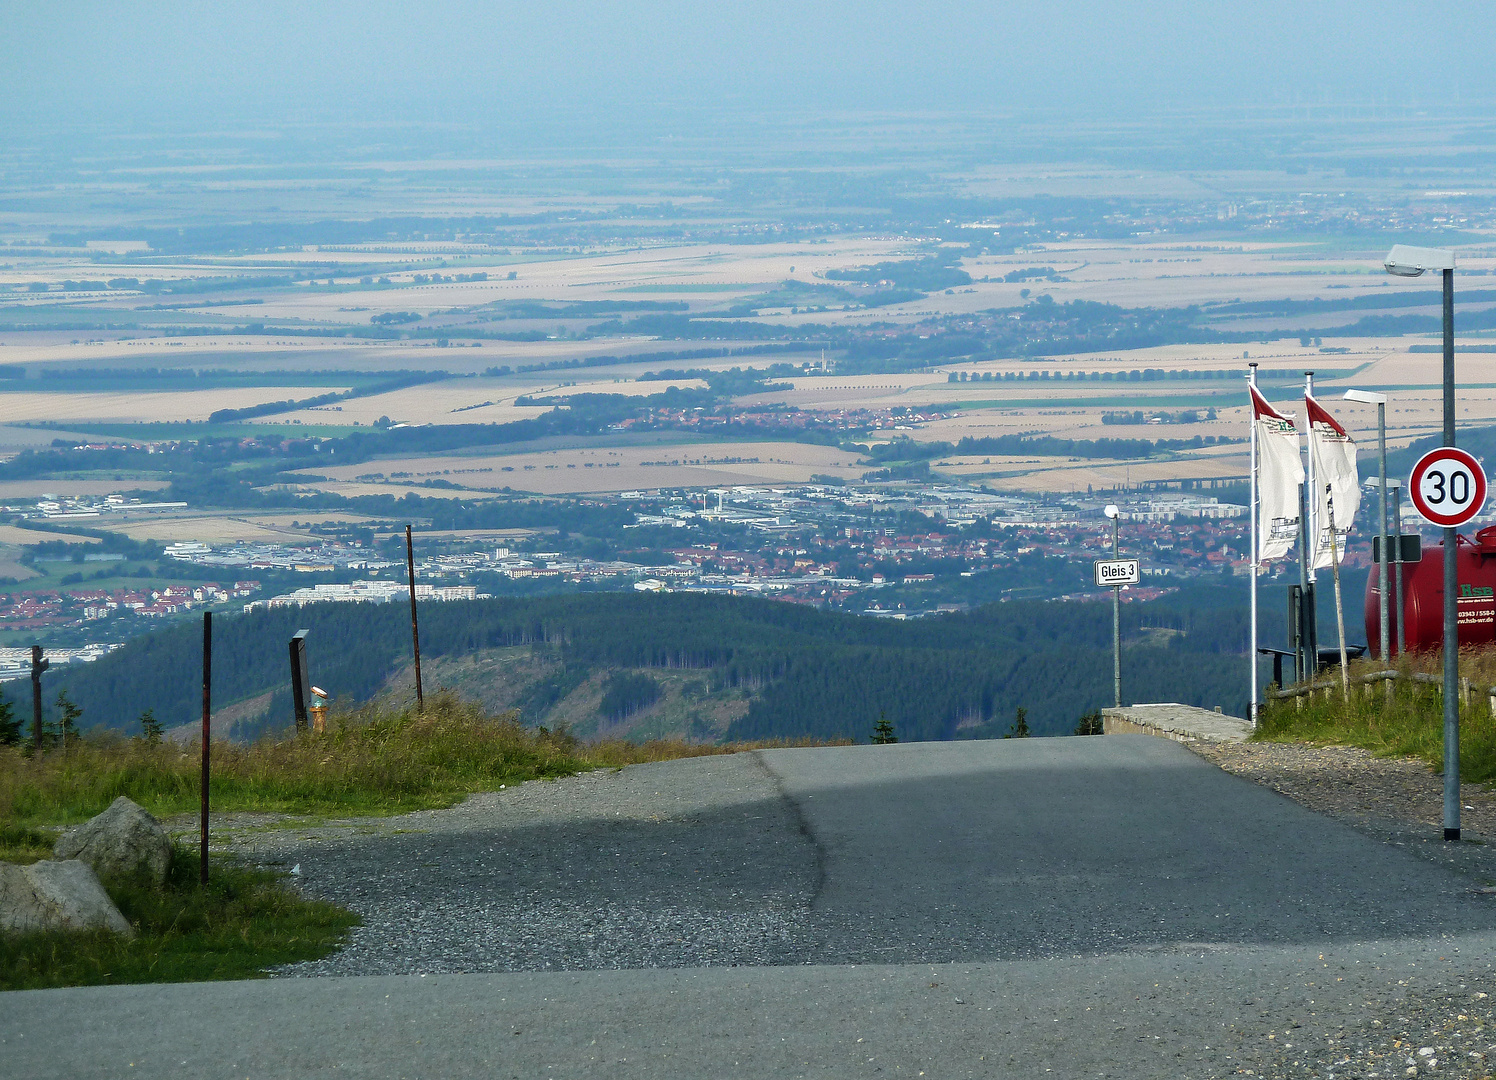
x: 38, y: 665
x: 207, y: 721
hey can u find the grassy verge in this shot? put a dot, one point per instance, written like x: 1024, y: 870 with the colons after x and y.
x: 241, y: 923
x: 373, y: 761
x: 1411, y: 725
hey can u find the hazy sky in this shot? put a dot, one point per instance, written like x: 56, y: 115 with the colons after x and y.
x: 181, y: 63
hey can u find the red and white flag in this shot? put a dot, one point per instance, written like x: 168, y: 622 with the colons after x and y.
x: 1280, y: 471
x: 1333, y: 455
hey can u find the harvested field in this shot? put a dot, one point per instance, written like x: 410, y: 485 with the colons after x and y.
x: 209, y: 528
x: 68, y: 487
x: 19, y: 537
x: 142, y: 407
x: 619, y: 468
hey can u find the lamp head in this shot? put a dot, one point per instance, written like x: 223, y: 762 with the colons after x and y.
x: 1110, y: 510
x: 1407, y: 261
x: 1366, y: 397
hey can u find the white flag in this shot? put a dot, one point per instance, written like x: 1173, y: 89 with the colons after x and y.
x: 1280, y: 471
x: 1333, y: 453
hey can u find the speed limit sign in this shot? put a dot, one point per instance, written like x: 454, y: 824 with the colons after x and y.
x: 1448, y: 487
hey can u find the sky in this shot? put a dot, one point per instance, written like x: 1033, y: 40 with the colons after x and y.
x: 191, y: 64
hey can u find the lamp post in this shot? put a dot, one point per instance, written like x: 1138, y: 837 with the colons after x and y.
x: 1112, y: 512
x: 1405, y: 261
x: 1380, y: 401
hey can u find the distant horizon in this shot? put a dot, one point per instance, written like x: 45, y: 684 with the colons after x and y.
x: 187, y: 65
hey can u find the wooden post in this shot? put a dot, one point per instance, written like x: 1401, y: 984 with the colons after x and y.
x: 207, y: 732
x: 1465, y: 693
x: 415, y: 633
x: 38, y: 665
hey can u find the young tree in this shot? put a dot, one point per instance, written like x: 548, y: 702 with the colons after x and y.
x: 1020, y: 728
x: 68, y: 715
x: 1090, y: 724
x: 150, y: 728
x: 883, y: 731
x: 10, y: 724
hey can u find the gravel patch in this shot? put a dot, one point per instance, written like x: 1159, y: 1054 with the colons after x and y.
x: 687, y: 863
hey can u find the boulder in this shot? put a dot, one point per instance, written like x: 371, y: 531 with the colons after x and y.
x: 52, y: 895
x: 123, y: 841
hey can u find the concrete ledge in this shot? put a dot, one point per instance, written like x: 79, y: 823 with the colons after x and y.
x: 1182, y: 723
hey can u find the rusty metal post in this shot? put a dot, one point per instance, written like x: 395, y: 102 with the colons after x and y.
x: 207, y: 732
x: 415, y: 633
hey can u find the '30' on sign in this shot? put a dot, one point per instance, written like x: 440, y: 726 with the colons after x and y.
x: 1448, y: 487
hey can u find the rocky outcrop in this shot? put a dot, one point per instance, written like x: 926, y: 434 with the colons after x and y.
x: 53, y: 895
x: 123, y: 841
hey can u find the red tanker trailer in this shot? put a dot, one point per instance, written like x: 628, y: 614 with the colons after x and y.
x: 1423, y: 596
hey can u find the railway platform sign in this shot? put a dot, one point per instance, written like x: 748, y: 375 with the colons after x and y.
x: 1114, y: 572
x: 1448, y: 487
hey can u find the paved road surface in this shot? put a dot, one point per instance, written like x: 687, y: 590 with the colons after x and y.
x: 1096, y: 907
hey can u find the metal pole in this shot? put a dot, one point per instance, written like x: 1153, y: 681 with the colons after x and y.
x: 415, y: 634
x: 1397, y: 584
x: 1451, y: 599
x: 1252, y: 417
x: 38, y: 665
x: 1313, y: 501
x: 202, y: 872
x: 1386, y: 635
x: 1116, y: 627
x: 1302, y: 661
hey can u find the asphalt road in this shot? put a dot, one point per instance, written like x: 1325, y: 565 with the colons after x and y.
x: 1107, y: 907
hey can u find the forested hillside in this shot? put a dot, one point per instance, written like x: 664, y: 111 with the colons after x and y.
x: 795, y: 670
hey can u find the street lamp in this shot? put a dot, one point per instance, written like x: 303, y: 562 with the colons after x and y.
x: 1405, y: 261
x: 1112, y: 512
x: 1380, y: 401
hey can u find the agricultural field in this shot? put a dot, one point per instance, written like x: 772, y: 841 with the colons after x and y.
x: 615, y: 468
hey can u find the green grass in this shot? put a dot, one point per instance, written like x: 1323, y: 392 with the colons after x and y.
x: 373, y: 761
x: 243, y: 922
x: 1411, y: 725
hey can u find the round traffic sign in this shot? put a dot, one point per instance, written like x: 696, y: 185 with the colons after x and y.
x: 1448, y: 487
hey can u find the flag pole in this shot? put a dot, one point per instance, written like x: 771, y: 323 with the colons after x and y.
x: 1313, y: 501
x: 1345, y: 685
x: 1252, y: 419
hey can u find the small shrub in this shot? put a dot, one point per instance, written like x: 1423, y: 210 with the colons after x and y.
x: 1090, y: 724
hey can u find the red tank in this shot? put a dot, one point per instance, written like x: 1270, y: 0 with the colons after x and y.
x: 1423, y: 596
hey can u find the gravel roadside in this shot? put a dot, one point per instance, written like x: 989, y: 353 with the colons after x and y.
x: 688, y: 863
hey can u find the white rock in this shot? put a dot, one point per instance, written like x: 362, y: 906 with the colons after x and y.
x: 51, y: 895
x: 123, y: 841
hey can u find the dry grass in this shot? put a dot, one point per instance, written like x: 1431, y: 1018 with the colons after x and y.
x: 374, y: 760
x: 1411, y: 724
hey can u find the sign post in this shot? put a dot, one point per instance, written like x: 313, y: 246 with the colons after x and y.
x: 1115, y: 573
x: 1448, y: 487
